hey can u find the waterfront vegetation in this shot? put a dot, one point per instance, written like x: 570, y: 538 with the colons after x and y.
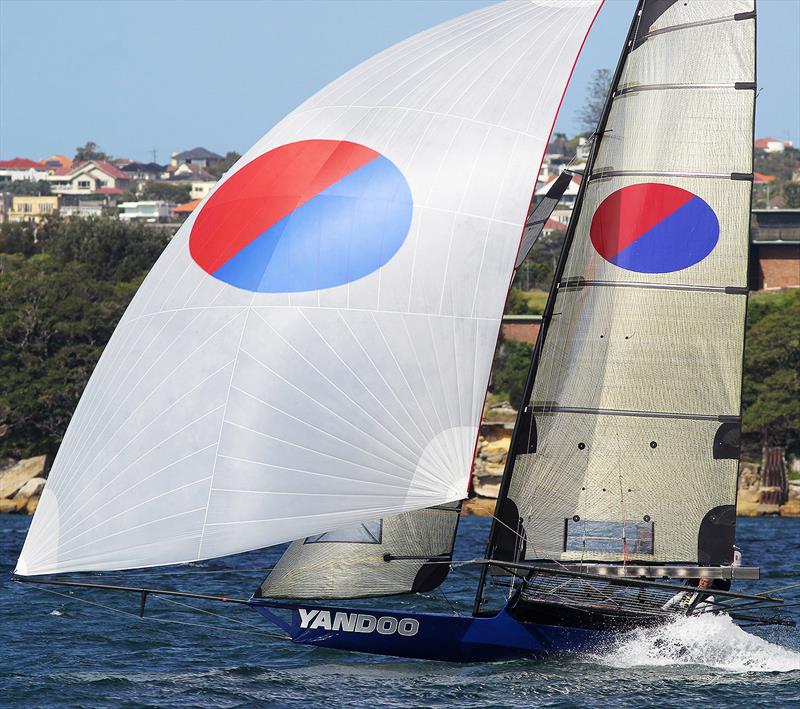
x: 65, y: 284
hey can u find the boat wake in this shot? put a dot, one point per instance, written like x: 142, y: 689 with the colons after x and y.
x: 709, y: 640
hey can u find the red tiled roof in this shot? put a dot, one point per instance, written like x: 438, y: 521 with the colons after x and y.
x: 106, y: 167
x: 21, y: 164
x: 60, y: 160
x: 110, y: 169
x: 554, y: 225
x: 760, y: 179
x: 186, y: 207
x: 109, y: 190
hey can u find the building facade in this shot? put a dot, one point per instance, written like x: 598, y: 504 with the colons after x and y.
x: 32, y: 208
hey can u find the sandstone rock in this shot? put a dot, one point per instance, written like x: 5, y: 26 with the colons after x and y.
x: 7, y: 506
x: 747, y: 503
x: 32, y: 488
x: 791, y: 508
x: 32, y: 504
x: 499, y: 445
x: 489, y: 491
x: 478, y: 506
x: 493, y: 469
x: 15, y: 477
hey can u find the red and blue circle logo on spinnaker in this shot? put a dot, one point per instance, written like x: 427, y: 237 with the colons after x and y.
x: 654, y: 228
x: 305, y: 216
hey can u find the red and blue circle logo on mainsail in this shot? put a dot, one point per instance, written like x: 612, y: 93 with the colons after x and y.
x: 654, y: 228
x: 304, y: 216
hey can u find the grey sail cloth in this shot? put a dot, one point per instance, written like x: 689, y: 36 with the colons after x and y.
x: 539, y: 215
x: 627, y: 445
x: 360, y: 561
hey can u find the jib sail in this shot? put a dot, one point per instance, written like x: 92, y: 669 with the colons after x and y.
x: 405, y: 553
x: 626, y: 445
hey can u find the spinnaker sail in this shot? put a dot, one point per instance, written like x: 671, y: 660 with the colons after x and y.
x: 312, y: 349
x: 626, y: 446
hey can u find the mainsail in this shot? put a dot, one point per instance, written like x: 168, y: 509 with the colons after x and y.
x: 626, y: 446
x: 312, y: 349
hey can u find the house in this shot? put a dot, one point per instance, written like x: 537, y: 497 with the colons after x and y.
x: 772, y: 145
x: 142, y: 171
x: 182, y: 211
x: 196, y: 156
x: 22, y: 169
x: 83, y: 209
x: 551, y: 226
x: 200, y: 181
x: 569, y: 196
x: 91, y: 177
x: 57, y: 161
x: 774, y: 249
x: 147, y: 211
x: 32, y: 208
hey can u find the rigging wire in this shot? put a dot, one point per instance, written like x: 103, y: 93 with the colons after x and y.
x: 164, y: 620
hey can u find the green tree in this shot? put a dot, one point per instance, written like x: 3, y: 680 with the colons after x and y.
x: 27, y: 187
x: 90, y: 151
x: 791, y: 192
x: 220, y: 168
x: 517, y: 303
x: 108, y: 248
x: 510, y: 370
x: 178, y: 192
x: 55, y: 319
x: 17, y: 239
x: 771, y: 386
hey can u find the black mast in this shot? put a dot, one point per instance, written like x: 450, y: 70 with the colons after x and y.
x: 524, y: 434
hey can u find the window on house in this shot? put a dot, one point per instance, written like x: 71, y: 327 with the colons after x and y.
x: 25, y: 207
x: 84, y: 184
x: 45, y: 208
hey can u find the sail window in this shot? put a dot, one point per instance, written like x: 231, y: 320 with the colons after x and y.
x: 610, y: 537
x: 364, y: 533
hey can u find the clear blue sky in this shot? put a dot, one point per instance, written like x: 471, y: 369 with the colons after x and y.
x: 138, y: 75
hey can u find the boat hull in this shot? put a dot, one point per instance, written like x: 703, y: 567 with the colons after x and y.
x: 429, y: 636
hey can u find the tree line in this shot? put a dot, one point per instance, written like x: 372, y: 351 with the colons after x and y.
x: 65, y: 284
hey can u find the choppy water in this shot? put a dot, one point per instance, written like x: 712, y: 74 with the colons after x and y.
x: 59, y: 651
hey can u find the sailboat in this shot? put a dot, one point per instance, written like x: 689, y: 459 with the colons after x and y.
x: 307, y: 361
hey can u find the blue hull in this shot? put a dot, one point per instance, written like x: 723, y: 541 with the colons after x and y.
x: 429, y: 636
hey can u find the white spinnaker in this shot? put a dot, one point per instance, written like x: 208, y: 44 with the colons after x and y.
x: 220, y: 420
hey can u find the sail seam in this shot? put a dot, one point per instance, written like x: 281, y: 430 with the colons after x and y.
x: 736, y: 85
x: 578, y: 283
x: 222, y: 426
x: 554, y: 408
x: 603, y: 174
x: 699, y: 23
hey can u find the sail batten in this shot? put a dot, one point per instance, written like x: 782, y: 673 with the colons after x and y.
x: 313, y: 347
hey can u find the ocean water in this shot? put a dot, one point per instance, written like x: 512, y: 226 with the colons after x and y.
x: 90, y: 649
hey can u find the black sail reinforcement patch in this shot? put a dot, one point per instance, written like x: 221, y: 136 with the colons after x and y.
x: 509, y: 541
x: 525, y: 441
x: 727, y: 441
x: 716, y: 536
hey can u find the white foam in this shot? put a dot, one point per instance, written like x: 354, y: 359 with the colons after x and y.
x: 709, y: 640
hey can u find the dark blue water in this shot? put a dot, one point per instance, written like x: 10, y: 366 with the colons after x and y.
x: 60, y: 651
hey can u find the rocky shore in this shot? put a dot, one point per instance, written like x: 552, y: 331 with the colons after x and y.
x: 21, y: 484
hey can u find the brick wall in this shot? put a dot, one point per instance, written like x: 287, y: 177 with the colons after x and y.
x: 522, y: 331
x: 779, y: 266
